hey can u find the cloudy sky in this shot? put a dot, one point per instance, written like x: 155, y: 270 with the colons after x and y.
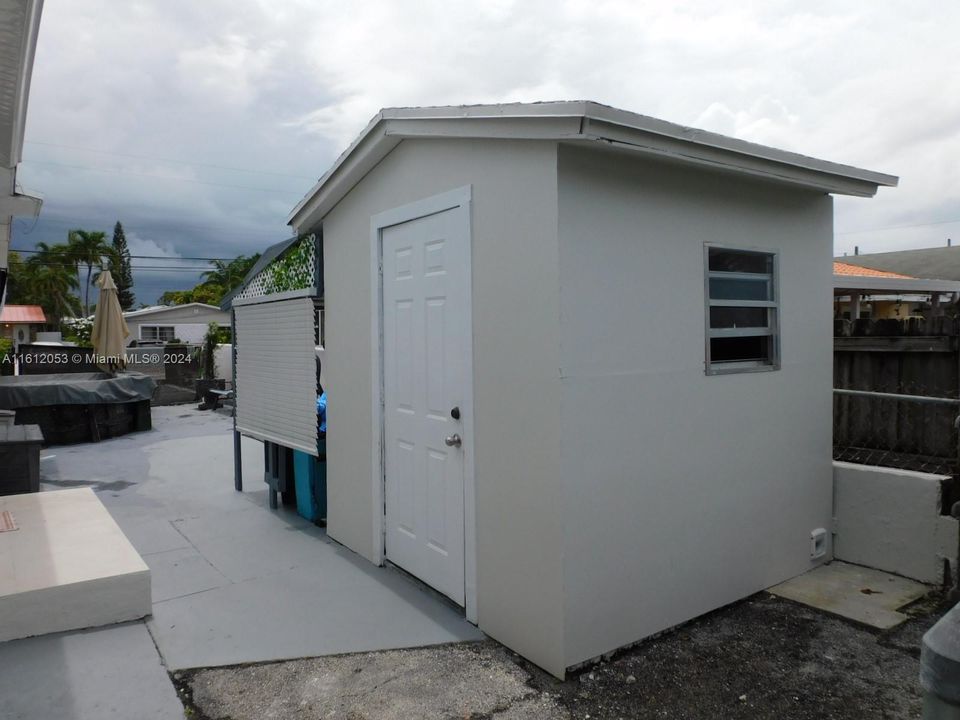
x: 200, y: 124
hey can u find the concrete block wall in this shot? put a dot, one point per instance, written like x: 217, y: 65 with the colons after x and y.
x: 891, y: 520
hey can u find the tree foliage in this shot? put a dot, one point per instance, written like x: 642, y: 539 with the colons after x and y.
x: 48, y: 279
x: 87, y: 248
x: 120, y: 267
x: 216, y: 283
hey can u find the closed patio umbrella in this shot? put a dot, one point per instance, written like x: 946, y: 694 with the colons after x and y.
x: 110, y: 331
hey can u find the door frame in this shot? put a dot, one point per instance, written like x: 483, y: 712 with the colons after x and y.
x: 460, y: 200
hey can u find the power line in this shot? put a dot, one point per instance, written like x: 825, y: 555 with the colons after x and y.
x: 51, y: 216
x: 146, y: 268
x: 80, y: 266
x: 177, y: 161
x: 146, y: 257
x: 162, y: 177
x: 897, y: 227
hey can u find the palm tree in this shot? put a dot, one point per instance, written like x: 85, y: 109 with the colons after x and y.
x: 229, y: 274
x: 87, y: 248
x: 219, y: 275
x: 48, y: 279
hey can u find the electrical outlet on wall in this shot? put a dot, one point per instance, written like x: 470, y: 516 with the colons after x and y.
x: 818, y: 543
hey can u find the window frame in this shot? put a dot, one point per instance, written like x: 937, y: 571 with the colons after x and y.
x: 157, y: 339
x: 773, y: 307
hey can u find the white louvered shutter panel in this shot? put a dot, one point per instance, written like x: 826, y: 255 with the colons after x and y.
x: 277, y: 373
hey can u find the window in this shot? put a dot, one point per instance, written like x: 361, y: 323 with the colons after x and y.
x: 156, y: 333
x: 742, y: 308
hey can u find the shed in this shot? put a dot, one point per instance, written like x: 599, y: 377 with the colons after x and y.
x: 578, y: 364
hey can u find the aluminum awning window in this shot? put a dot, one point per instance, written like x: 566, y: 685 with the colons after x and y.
x: 742, y: 310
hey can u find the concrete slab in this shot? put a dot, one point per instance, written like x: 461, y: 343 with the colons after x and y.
x: 864, y: 595
x: 112, y: 672
x: 177, y: 573
x: 234, y: 581
x: 68, y: 566
x: 150, y: 536
x: 321, y: 609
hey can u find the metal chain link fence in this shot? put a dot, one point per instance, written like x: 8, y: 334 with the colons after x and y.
x: 910, y: 429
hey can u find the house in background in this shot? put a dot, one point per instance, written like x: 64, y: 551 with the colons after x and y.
x: 21, y: 323
x: 163, y: 323
x: 869, y: 294
x: 503, y: 423
x: 20, y: 23
x: 939, y: 263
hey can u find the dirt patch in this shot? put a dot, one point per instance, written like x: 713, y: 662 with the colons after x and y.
x: 762, y: 658
x: 468, y: 680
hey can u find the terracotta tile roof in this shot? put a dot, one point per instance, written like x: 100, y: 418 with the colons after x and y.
x: 842, y: 268
x: 22, y: 314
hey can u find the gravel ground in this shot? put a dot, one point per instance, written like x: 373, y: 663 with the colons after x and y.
x: 762, y: 658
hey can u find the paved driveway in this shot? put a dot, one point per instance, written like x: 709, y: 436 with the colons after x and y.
x: 233, y: 582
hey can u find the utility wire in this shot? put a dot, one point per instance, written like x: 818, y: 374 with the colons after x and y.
x: 897, y: 227
x: 51, y: 217
x: 147, y: 257
x: 176, y: 161
x: 162, y: 177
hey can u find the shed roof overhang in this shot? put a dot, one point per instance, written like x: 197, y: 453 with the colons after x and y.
x: 846, y: 284
x: 580, y: 122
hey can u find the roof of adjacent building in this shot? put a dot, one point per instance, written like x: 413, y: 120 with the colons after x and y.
x: 849, y: 278
x: 23, y: 314
x: 582, y: 122
x: 160, y: 309
x: 843, y: 268
x: 942, y: 263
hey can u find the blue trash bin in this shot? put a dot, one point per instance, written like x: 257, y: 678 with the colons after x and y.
x: 310, y: 476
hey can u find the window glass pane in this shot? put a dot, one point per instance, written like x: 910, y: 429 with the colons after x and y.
x: 166, y: 333
x: 738, y: 317
x: 740, y: 348
x: 723, y: 260
x: 734, y: 289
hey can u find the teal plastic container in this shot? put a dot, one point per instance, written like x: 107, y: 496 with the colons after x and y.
x: 310, y: 477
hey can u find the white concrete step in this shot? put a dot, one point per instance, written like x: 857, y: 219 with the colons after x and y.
x: 67, y: 566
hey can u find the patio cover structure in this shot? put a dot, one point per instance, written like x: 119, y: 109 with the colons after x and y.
x: 19, y: 25
x: 856, y: 282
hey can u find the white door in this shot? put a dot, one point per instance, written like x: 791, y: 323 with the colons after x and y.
x: 426, y: 280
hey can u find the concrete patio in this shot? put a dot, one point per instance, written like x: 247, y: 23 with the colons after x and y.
x: 232, y: 581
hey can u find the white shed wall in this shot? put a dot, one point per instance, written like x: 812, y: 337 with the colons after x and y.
x: 516, y: 381
x: 682, y: 492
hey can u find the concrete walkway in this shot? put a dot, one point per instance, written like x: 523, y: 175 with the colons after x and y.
x: 233, y: 582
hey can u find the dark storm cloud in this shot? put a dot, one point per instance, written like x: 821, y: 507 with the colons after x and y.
x: 200, y: 124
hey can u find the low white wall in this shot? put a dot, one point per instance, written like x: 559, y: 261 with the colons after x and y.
x: 890, y: 520
x: 191, y: 333
x: 223, y: 362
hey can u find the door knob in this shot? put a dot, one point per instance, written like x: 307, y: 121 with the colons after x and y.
x: 453, y: 440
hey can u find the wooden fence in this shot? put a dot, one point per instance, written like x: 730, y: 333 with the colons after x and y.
x: 908, y: 357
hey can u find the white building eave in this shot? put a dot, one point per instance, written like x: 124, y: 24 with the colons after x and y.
x: 577, y: 122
